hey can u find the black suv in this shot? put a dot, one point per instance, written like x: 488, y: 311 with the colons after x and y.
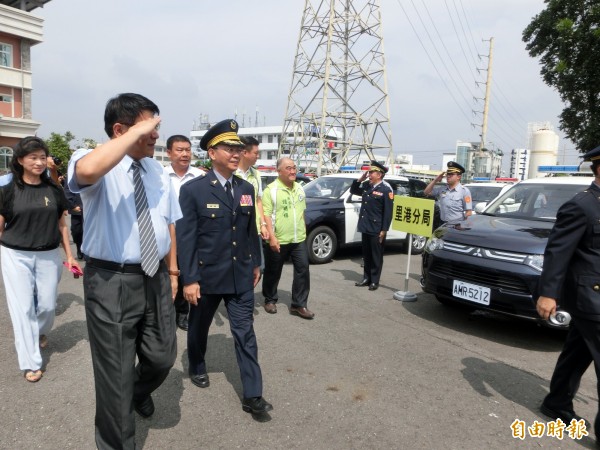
x: 493, y: 260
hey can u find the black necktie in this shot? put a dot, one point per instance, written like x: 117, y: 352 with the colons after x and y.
x: 229, y: 192
x: 148, y: 247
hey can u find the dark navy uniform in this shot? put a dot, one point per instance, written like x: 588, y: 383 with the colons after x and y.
x: 571, y: 275
x: 219, y: 248
x: 375, y: 216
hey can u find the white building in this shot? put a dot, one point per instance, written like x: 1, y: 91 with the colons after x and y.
x: 519, y: 163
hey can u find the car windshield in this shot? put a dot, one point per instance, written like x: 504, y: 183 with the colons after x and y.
x: 327, y: 187
x: 538, y: 201
x: 484, y: 193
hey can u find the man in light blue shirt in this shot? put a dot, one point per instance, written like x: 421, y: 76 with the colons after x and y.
x: 130, y: 275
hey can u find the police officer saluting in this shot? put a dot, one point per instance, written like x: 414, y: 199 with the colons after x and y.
x: 453, y: 199
x: 374, y: 221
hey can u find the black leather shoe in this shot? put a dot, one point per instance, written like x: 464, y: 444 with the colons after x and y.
x: 182, y: 321
x: 201, y: 380
x: 144, y: 408
x: 364, y: 282
x: 79, y: 255
x: 373, y: 286
x: 256, y: 405
x: 563, y: 414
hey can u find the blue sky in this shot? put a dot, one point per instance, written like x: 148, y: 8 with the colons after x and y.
x: 211, y: 57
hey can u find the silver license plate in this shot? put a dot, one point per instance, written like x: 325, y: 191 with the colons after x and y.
x: 471, y: 292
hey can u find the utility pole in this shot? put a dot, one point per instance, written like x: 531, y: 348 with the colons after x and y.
x: 486, y: 101
x: 338, y: 108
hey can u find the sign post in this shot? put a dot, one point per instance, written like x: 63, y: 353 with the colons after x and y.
x: 413, y: 216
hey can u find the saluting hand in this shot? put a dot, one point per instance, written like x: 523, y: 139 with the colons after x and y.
x: 364, y: 176
x: 440, y: 177
x: 146, y: 127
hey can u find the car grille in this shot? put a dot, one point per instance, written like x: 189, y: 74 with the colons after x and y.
x: 479, y: 275
x: 485, y: 253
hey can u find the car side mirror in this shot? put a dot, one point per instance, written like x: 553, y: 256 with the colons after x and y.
x: 479, y: 207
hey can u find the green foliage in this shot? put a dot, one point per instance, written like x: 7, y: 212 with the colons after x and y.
x: 88, y: 143
x: 566, y: 38
x: 58, y: 144
x: 206, y: 164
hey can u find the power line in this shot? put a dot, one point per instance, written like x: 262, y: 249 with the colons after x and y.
x: 440, y: 56
x: 432, y: 62
x: 446, y: 49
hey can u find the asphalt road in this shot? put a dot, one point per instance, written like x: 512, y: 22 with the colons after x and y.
x: 367, y: 372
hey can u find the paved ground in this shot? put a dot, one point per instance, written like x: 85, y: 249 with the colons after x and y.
x: 368, y: 372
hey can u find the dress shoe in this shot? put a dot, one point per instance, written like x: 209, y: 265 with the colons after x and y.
x: 271, y: 308
x: 565, y: 415
x: 303, y: 312
x: 145, y: 407
x: 79, y: 255
x: 256, y: 405
x: 182, y: 321
x: 201, y: 380
x: 373, y: 286
x: 363, y: 282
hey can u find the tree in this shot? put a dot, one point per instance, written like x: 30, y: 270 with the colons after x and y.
x: 89, y: 143
x: 566, y: 37
x: 58, y: 144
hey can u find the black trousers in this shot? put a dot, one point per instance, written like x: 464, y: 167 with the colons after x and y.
x: 77, y: 230
x: 372, y: 251
x: 581, y: 348
x: 240, y: 310
x: 128, y: 315
x: 273, y: 267
x: 181, y: 304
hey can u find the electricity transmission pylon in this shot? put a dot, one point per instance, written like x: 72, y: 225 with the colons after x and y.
x: 338, y: 108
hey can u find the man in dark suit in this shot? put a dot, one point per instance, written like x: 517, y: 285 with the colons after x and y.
x: 374, y: 220
x: 571, y: 277
x: 220, y: 259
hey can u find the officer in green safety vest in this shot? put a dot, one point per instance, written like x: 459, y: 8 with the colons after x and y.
x: 284, y: 203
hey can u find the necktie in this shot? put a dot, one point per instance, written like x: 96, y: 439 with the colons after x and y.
x: 148, y: 248
x: 229, y: 192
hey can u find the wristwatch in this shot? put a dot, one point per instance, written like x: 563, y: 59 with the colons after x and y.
x: 175, y: 272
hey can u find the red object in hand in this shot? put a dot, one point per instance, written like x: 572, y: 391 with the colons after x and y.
x: 74, y: 269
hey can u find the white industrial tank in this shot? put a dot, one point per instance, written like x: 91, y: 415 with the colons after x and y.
x: 544, y: 149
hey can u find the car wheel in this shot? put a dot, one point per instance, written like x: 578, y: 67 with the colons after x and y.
x: 322, y: 245
x: 418, y: 244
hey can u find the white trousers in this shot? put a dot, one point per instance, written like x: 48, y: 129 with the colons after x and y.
x: 31, y: 283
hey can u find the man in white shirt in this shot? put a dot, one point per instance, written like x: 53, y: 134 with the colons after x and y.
x: 179, y: 151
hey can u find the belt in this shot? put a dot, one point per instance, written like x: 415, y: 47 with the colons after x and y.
x: 117, y: 267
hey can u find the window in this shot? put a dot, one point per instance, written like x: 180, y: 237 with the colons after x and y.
x: 6, y: 55
x: 6, y: 98
x: 270, y: 138
x: 5, y: 157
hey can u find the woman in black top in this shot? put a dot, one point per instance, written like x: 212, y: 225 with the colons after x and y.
x: 32, y: 226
